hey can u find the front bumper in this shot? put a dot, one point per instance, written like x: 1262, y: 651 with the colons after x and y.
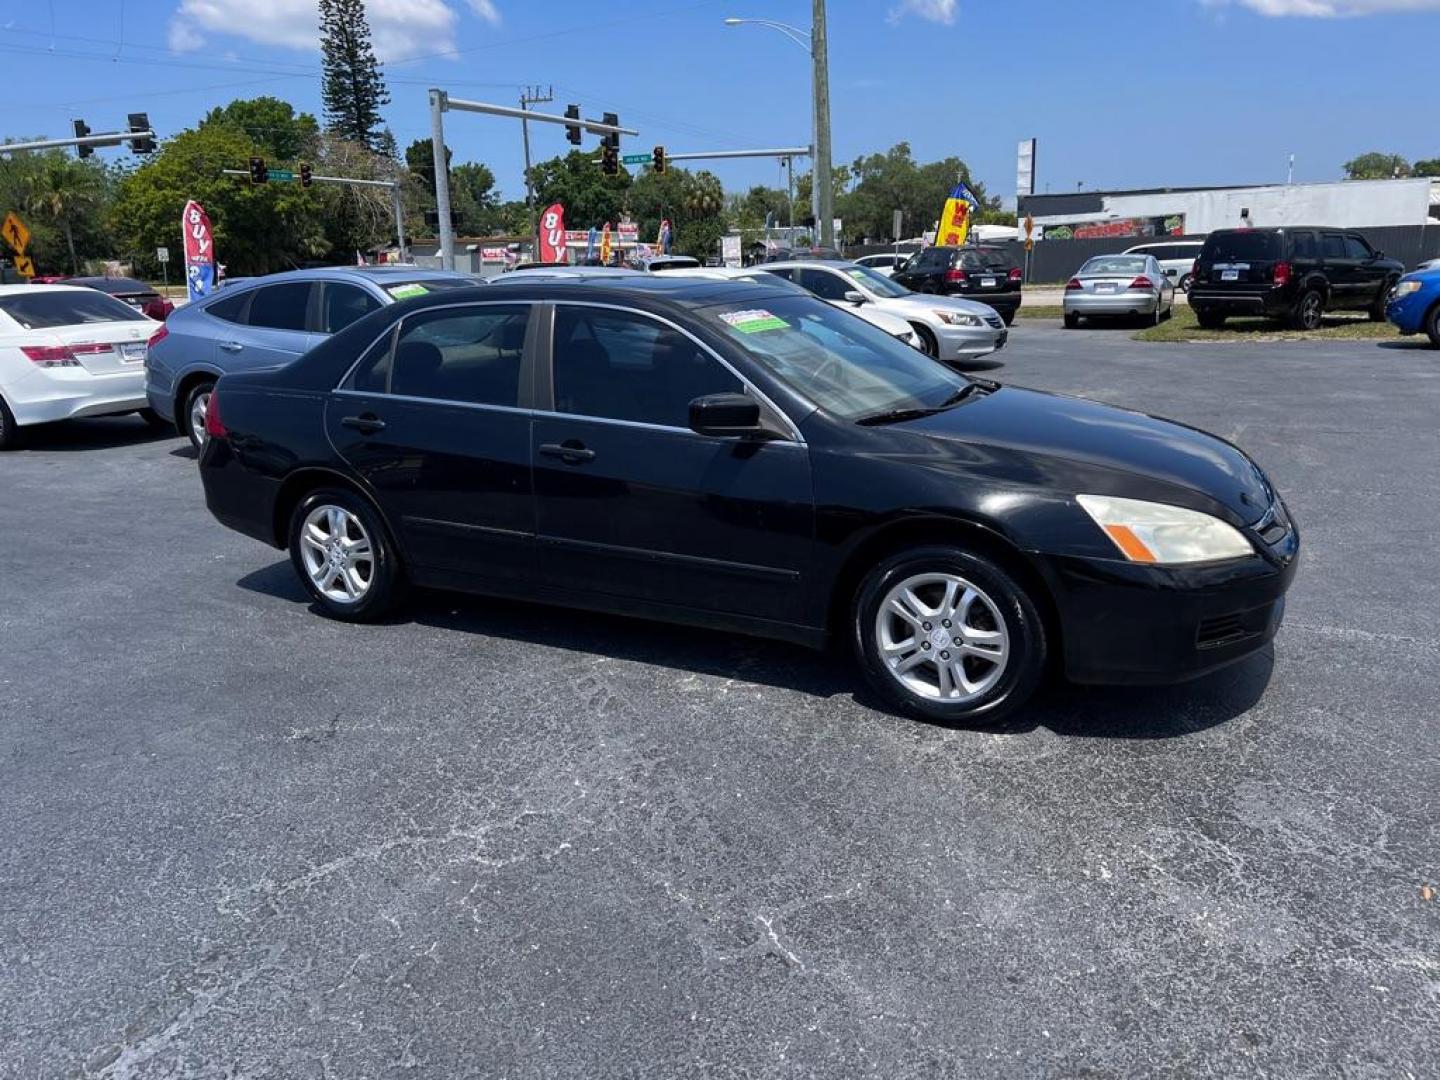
x: 1119, y: 303
x: 49, y: 394
x: 1124, y: 622
x: 1408, y: 313
x: 969, y: 342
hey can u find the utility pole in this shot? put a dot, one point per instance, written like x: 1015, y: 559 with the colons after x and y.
x: 819, y: 52
x: 530, y: 95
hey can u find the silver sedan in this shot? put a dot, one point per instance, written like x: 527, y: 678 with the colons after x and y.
x: 1119, y: 285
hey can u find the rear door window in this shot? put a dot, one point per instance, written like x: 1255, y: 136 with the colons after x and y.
x: 1302, y: 245
x: 42, y: 309
x: 467, y: 354
x: 281, y: 307
x: 343, y: 304
x: 231, y: 308
x: 1332, y: 244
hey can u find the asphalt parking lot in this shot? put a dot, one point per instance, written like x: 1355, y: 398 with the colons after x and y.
x: 489, y: 839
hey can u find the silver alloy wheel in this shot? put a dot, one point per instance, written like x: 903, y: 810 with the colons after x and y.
x: 199, y: 406
x: 942, y: 638
x: 1310, y: 312
x: 337, y: 553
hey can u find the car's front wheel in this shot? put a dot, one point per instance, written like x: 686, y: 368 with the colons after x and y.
x: 929, y: 344
x: 944, y: 634
x: 343, y: 555
x: 1432, y: 326
x: 192, y: 414
x: 1377, y: 309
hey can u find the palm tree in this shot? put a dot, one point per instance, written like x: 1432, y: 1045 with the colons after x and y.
x: 62, y: 188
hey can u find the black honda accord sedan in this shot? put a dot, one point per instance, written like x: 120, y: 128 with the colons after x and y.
x: 745, y: 458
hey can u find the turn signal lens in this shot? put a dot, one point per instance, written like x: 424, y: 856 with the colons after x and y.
x: 1282, y: 273
x: 213, y: 425
x: 1147, y: 532
x: 1073, y: 284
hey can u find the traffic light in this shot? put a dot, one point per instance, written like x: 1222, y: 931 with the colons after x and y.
x: 572, y: 131
x: 609, y: 160
x: 305, y: 174
x: 144, y: 144
x: 658, y: 159
x: 611, y: 138
x: 258, y: 175
x: 81, y: 130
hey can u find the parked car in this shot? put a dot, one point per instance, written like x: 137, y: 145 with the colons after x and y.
x: 1414, y: 304
x: 753, y: 461
x: 1119, y: 285
x: 1290, y: 274
x: 791, y: 254
x: 1428, y: 264
x: 1176, y: 259
x: 892, y: 324
x: 886, y: 262
x: 137, y: 294
x: 266, y: 321
x: 666, y: 263
x: 987, y: 274
x: 66, y: 352
x: 950, y: 328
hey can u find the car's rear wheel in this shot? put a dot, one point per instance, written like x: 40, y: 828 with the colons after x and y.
x: 343, y: 555
x: 944, y: 634
x: 192, y: 415
x: 9, y: 430
x: 1432, y: 325
x: 1309, y: 311
x: 1209, y: 320
x: 1072, y: 321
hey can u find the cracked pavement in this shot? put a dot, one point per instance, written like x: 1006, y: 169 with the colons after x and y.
x: 493, y: 840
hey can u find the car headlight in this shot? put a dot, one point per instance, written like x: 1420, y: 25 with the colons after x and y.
x: 1405, y: 288
x: 958, y: 318
x: 1148, y: 532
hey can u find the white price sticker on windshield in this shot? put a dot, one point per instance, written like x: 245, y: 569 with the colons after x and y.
x: 754, y: 320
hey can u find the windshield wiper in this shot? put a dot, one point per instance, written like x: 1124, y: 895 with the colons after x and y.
x: 895, y: 416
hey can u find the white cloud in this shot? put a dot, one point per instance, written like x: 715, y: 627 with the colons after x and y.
x: 398, y: 28
x: 1328, y: 9
x: 940, y: 11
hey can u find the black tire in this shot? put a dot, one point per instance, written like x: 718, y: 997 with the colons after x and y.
x: 9, y: 430
x: 152, y: 418
x: 1186, y: 282
x: 1072, y: 321
x: 998, y: 593
x: 183, y: 419
x: 1377, y: 309
x: 928, y: 343
x: 1009, y: 317
x: 1169, y: 312
x: 1208, y: 320
x: 1309, y: 311
x: 386, y: 578
x: 1432, y: 326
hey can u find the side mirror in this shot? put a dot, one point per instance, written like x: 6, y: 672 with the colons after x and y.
x: 1379, y: 254
x: 725, y: 414
x: 854, y: 296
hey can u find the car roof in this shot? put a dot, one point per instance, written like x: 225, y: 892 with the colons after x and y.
x: 807, y: 264
x: 28, y: 290
x: 674, y: 290
x: 379, y: 275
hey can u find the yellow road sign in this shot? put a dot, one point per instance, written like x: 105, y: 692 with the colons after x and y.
x: 15, y: 232
x: 24, y: 265
x: 1029, y: 226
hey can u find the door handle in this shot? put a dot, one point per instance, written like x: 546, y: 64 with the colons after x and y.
x: 572, y: 451
x: 231, y: 346
x: 367, y: 424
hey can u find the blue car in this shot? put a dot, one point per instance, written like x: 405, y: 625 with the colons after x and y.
x: 1414, y: 304
x: 265, y: 322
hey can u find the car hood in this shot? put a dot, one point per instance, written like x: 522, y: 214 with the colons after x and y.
x: 1099, y: 449
x: 922, y: 304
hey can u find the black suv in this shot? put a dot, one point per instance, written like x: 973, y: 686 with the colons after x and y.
x: 1291, y: 274
x: 987, y: 274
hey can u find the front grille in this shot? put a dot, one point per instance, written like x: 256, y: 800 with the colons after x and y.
x: 995, y: 321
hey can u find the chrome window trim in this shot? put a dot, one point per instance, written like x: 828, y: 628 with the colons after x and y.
x: 760, y: 395
x: 397, y: 327
x: 434, y: 401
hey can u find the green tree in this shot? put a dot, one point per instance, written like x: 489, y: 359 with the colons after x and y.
x: 352, y: 87
x: 63, y: 190
x: 576, y: 182
x: 884, y: 183
x: 64, y: 202
x: 258, y: 228
x: 1426, y: 167
x: 274, y: 126
x: 1376, y: 166
x: 354, y: 218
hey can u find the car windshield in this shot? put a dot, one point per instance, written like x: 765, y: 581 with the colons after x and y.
x: 844, y: 365
x: 1114, y: 264
x: 64, y: 307
x: 1226, y: 247
x: 875, y: 282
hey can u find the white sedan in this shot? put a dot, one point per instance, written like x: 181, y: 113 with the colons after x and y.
x: 67, y: 352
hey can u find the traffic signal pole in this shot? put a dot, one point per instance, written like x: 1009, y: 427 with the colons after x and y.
x: 397, y: 205
x: 441, y: 103
x: 112, y: 138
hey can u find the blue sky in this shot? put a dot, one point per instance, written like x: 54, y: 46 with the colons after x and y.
x: 1120, y: 93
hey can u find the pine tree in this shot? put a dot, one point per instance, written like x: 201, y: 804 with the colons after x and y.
x: 353, y: 88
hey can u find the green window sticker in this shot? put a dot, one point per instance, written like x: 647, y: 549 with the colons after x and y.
x: 754, y: 321
x: 404, y: 292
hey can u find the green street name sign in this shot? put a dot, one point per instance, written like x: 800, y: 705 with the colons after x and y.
x: 279, y: 174
x: 635, y: 159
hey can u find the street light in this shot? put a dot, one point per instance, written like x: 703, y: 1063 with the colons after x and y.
x: 813, y: 43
